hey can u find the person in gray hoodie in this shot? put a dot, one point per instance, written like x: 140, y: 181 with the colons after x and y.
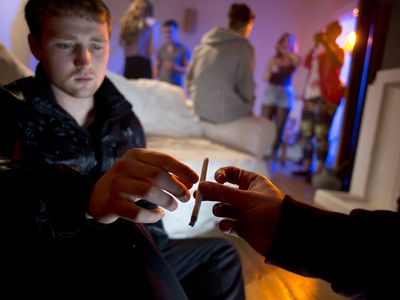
x: 220, y: 78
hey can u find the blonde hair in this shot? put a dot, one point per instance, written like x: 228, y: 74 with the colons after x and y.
x: 134, y: 20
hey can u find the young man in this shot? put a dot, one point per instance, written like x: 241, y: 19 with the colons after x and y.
x: 220, y: 79
x: 173, y: 57
x: 74, y: 170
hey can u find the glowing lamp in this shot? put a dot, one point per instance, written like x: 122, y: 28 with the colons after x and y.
x: 350, y: 41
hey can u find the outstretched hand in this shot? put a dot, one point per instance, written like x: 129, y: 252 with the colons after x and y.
x: 141, y: 174
x: 252, y: 210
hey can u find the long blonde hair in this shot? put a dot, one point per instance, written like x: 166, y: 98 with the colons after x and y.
x: 134, y: 20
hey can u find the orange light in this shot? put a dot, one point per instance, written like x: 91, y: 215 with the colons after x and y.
x: 350, y: 41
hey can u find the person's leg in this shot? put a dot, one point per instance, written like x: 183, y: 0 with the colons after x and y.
x: 282, y: 114
x: 282, y: 157
x: 307, y: 133
x: 323, y: 120
x: 208, y: 268
x: 269, y: 112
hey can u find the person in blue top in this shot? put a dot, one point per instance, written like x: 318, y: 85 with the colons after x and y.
x: 173, y: 57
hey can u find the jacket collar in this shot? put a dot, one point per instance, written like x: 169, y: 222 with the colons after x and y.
x: 109, y: 102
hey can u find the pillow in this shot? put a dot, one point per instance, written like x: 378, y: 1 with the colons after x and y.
x: 10, y: 67
x: 160, y: 106
x: 249, y: 134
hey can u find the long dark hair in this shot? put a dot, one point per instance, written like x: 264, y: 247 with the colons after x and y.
x: 134, y: 20
x: 292, y: 40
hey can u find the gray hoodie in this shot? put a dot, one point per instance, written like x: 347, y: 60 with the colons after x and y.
x: 220, y: 78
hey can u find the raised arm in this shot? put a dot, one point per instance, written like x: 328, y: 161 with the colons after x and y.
x: 335, y: 53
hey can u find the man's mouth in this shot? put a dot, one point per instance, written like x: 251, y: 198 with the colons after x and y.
x: 83, y: 78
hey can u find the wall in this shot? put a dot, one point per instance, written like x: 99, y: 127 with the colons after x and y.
x: 13, y: 28
x: 302, y: 17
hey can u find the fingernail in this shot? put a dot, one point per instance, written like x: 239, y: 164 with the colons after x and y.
x: 217, y: 207
x: 186, y: 197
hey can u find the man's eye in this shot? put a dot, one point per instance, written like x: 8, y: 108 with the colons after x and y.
x: 65, y: 45
x: 97, y: 47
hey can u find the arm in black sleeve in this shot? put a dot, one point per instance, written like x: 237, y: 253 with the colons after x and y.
x: 48, y: 203
x: 356, y: 253
x: 37, y: 201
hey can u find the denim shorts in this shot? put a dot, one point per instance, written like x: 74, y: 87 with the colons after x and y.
x: 279, y: 96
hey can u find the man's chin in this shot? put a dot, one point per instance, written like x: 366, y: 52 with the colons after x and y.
x: 83, y: 92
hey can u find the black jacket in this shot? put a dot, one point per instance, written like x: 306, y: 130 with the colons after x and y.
x: 47, y: 134
x: 359, y: 253
x: 49, y: 168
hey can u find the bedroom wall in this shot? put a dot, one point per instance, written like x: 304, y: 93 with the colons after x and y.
x: 13, y: 28
x: 302, y: 17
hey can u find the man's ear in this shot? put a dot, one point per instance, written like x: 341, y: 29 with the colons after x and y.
x: 34, y: 46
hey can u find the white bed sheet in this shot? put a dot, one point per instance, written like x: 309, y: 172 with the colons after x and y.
x: 192, y: 152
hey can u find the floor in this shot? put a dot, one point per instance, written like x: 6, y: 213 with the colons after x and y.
x: 296, y: 187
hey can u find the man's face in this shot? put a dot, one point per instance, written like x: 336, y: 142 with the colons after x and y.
x: 170, y: 33
x: 74, y: 53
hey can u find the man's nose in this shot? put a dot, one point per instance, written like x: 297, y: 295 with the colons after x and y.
x: 83, y: 57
